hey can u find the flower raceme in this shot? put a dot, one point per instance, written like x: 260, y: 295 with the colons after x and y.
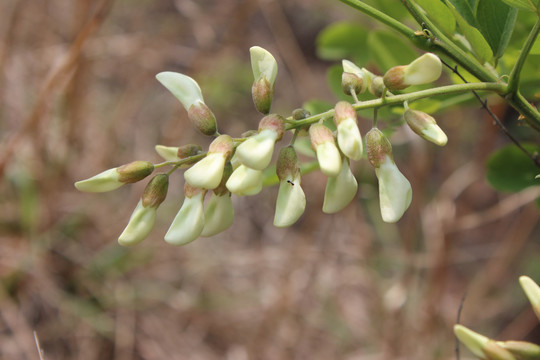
x: 395, y: 192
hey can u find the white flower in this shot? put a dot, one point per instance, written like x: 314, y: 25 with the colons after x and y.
x: 189, y: 222
x: 340, y: 190
x: 425, y: 125
x: 263, y: 64
x: 182, y: 87
x: 218, y: 214
x: 245, y: 181
x: 349, y: 139
x: 168, y: 153
x: 207, y: 172
x: 364, y: 74
x: 291, y: 202
x: 395, y: 192
x: 107, y: 180
x: 256, y: 151
x: 140, y: 225
x: 324, y: 145
x: 424, y: 70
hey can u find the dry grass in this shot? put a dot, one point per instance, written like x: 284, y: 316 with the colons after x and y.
x: 78, y: 95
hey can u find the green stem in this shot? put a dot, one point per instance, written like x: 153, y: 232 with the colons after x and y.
x: 380, y: 16
x: 398, y: 99
x: 513, y: 82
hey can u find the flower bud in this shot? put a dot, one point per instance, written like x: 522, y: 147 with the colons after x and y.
x: 218, y: 214
x: 265, y: 69
x: 143, y: 218
x: 324, y: 145
x: 189, y: 93
x: 395, y: 192
x: 245, y: 181
x: 340, y: 190
x: 377, y: 86
x: 424, y: 70
x: 348, y: 134
x: 207, y: 173
x: 300, y: 114
x: 532, y: 290
x: 291, y: 200
x: 425, y: 126
x: 256, y: 151
x: 351, y: 82
x: 112, y: 179
x: 472, y: 340
x: 521, y: 349
x: 361, y: 73
x: 189, y: 221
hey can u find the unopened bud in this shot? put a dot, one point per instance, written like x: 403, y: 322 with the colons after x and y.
x: 156, y: 191
x: 425, y: 125
x: 275, y: 123
x: 362, y: 73
x: 424, y: 70
x: 188, y: 150
x: 532, y: 290
x: 351, y: 82
x: 377, y: 86
x: 262, y: 94
x: 324, y: 145
x: 287, y: 165
x: 521, y: 349
x: 378, y: 147
x: 300, y: 114
x: 134, y: 171
x: 208, y: 172
x: 203, y: 118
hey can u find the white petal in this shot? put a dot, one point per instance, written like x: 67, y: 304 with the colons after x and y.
x: 218, y: 214
x: 188, y: 223
x: 349, y: 139
x: 182, y: 87
x: 245, y: 181
x: 340, y: 190
x: 532, y: 290
x: 291, y: 203
x: 435, y: 134
x: 169, y: 153
x: 424, y: 70
x: 207, y: 173
x: 263, y: 63
x: 363, y: 73
x: 329, y: 159
x: 256, y: 152
x: 102, y: 182
x: 472, y: 340
x: 140, y: 224
x: 395, y: 192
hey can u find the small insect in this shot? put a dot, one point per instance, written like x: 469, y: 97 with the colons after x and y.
x: 290, y: 182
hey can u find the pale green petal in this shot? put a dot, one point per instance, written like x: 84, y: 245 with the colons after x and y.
x: 532, y: 290
x: 169, y: 153
x: 102, y: 182
x: 434, y: 133
x: 340, y: 190
x: 424, y: 70
x: 472, y: 340
x: 363, y: 73
x: 395, y: 192
x: 256, y: 152
x: 349, y: 139
x: 188, y: 223
x: 263, y: 64
x: 218, y: 214
x: 182, y: 87
x: 329, y: 159
x: 291, y: 202
x: 245, y: 181
x: 139, y: 226
x: 207, y: 173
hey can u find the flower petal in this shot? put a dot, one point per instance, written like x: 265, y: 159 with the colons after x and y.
x: 395, y: 192
x: 218, y: 214
x: 182, y: 87
x: 291, y: 202
x: 245, y: 181
x: 107, y: 180
x: 340, y: 190
x: 329, y: 159
x: 207, y: 173
x: 256, y: 152
x: 188, y: 223
x: 349, y: 139
x: 140, y: 224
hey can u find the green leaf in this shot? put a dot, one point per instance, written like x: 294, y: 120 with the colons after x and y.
x: 440, y: 14
x: 466, y: 9
x: 388, y: 50
x: 496, y: 22
x: 343, y: 41
x: 510, y: 170
x: 528, y: 5
x: 479, y: 45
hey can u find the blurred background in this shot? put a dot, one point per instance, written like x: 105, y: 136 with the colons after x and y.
x: 78, y: 96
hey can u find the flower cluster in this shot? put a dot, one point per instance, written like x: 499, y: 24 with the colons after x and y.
x: 488, y: 349
x: 235, y: 165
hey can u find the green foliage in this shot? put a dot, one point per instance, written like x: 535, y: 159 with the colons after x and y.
x: 510, y: 170
x: 343, y: 41
x: 388, y: 49
x: 496, y: 21
x: 528, y: 5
